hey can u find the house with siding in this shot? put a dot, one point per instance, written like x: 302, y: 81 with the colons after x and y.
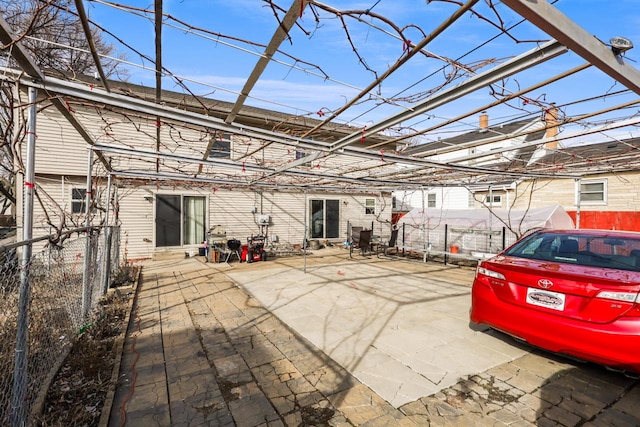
x: 602, y: 196
x: 499, y: 144
x: 175, y: 186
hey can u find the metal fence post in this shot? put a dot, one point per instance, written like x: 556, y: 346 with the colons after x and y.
x: 19, y: 403
x: 106, y: 270
x: 116, y: 205
x: 446, y: 242
x: 504, y: 238
x: 86, y: 279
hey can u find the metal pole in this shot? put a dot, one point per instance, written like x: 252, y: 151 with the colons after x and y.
x: 403, y: 238
x: 422, y: 224
x: 86, y: 285
x: 504, y: 238
x: 20, y: 402
x: 116, y: 219
x: 304, y: 240
x: 446, y: 242
x: 116, y: 209
x: 106, y: 271
x: 578, y: 197
x: 490, y: 219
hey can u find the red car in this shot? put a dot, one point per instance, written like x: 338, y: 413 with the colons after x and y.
x: 573, y: 292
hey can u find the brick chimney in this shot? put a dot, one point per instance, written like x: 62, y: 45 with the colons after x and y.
x: 483, y: 122
x: 551, y: 126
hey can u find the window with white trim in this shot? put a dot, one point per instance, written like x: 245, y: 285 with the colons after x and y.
x: 370, y: 206
x: 431, y: 200
x: 493, y: 200
x: 220, y: 146
x: 592, y: 191
x: 78, y: 199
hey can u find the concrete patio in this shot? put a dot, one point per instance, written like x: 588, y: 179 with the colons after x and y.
x: 331, y: 341
x: 399, y: 326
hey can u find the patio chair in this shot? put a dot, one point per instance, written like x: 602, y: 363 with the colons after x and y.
x: 354, y: 236
x: 364, y: 243
x: 383, y: 247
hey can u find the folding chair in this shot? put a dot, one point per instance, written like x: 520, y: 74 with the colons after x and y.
x: 391, y: 244
x: 364, y: 243
x: 354, y: 236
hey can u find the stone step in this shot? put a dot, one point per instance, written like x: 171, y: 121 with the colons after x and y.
x: 168, y: 255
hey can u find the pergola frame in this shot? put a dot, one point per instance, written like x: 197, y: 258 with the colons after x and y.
x: 391, y: 173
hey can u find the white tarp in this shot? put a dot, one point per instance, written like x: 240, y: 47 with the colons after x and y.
x: 476, y: 230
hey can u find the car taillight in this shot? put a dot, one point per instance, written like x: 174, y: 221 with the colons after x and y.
x: 490, y: 273
x: 620, y: 296
x: 628, y: 297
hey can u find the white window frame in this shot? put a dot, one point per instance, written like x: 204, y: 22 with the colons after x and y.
x: 369, y: 206
x: 580, y: 192
x: 78, y: 203
x: 496, y: 200
x: 221, y: 142
x: 431, y: 200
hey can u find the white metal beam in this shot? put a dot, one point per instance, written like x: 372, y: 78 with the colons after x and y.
x: 526, y: 60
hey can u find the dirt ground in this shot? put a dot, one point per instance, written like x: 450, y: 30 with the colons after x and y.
x: 80, y: 389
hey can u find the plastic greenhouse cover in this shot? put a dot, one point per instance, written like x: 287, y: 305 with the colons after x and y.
x: 544, y: 217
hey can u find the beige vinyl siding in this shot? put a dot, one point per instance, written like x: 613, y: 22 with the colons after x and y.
x: 233, y: 211
x: 61, y: 165
x: 137, y: 223
x: 59, y: 148
x: 623, y: 193
x: 58, y: 199
x: 55, y: 198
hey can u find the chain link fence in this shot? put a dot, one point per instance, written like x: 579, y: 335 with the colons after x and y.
x: 43, y: 307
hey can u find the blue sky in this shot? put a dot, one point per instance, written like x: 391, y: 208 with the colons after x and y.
x: 298, y: 88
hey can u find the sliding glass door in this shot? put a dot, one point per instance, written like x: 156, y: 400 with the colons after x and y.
x: 180, y: 220
x: 325, y: 218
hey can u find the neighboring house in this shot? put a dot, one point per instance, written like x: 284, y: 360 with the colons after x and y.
x: 481, y: 147
x: 174, y: 214
x: 599, y: 199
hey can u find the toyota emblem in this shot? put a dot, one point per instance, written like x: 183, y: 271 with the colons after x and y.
x: 545, y: 283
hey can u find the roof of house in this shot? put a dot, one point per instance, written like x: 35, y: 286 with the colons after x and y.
x: 594, y: 158
x: 290, y: 124
x: 477, y: 135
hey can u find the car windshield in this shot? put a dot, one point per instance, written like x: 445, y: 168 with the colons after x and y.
x: 581, y: 249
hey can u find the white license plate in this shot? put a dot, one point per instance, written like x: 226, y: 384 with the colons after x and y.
x: 548, y: 299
